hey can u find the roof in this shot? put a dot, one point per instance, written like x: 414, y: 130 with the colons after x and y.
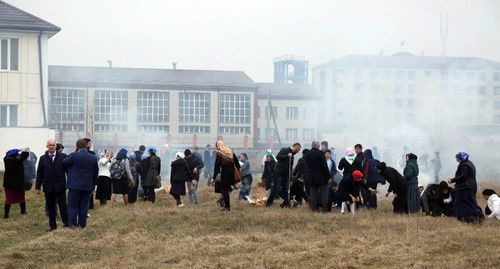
x: 13, y: 18
x: 287, y: 91
x: 408, y: 60
x: 142, y: 77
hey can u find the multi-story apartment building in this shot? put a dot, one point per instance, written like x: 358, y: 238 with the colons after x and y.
x: 377, y: 98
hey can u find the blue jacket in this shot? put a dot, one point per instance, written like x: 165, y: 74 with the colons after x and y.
x: 82, y: 170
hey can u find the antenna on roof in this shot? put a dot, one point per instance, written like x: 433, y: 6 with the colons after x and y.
x: 381, y: 52
x: 444, y: 35
x: 174, y: 65
x: 110, y: 63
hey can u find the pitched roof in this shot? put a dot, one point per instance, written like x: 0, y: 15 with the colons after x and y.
x: 13, y: 18
x: 287, y: 91
x: 142, y: 77
x: 407, y: 60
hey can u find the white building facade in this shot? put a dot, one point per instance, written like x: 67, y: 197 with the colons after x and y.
x: 23, y: 79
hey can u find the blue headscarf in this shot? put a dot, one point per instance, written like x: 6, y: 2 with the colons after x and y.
x: 132, y: 156
x: 12, y: 152
x: 462, y: 156
x: 152, y: 150
x: 122, y: 154
x: 144, y: 156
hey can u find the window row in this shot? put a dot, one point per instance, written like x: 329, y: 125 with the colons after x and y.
x: 9, y: 54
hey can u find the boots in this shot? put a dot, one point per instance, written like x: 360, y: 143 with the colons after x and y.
x: 23, y: 208
x: 6, y: 210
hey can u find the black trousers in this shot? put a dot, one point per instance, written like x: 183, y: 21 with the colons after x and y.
x: 319, y: 198
x: 57, y: 198
x: 149, y: 193
x: 297, y: 191
x: 226, y: 198
x: 177, y: 198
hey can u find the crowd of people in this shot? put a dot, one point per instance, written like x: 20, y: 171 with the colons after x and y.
x: 69, y: 182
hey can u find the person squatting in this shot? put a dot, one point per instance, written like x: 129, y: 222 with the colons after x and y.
x: 69, y: 181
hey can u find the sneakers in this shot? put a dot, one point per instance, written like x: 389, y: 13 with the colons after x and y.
x: 88, y: 215
x: 180, y: 205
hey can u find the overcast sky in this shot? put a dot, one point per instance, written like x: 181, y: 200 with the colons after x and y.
x: 247, y: 35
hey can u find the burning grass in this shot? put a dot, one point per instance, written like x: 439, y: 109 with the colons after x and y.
x: 161, y: 235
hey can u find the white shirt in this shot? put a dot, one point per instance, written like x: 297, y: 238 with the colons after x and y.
x: 104, y: 165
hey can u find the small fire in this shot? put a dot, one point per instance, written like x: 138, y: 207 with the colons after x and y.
x: 259, y: 196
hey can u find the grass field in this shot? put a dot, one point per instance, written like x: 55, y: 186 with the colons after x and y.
x: 164, y: 236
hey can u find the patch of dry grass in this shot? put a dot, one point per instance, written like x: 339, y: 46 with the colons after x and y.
x: 164, y: 236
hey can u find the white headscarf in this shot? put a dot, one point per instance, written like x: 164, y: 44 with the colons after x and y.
x: 179, y: 155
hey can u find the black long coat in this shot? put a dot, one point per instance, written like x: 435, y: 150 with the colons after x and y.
x: 397, y: 182
x: 14, y: 171
x: 226, y: 170
x: 317, y: 167
x: 179, y: 175
x: 51, y: 174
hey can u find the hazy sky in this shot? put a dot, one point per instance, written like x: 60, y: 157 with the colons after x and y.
x: 247, y: 35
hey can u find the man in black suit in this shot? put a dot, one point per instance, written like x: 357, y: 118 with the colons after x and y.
x: 319, y: 177
x: 52, y: 175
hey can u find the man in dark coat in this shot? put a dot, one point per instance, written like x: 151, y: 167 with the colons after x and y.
x: 282, y: 175
x: 52, y: 175
x: 82, y: 174
x: 319, y: 176
x: 397, y: 185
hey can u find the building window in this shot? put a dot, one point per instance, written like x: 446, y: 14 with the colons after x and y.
x: 153, y: 129
x: 153, y: 106
x: 8, y: 115
x: 70, y: 127
x: 292, y: 112
x: 428, y: 73
x: 192, y: 129
x: 398, y: 102
x: 234, y: 130
x: 271, y: 133
x: 234, y: 108
x: 274, y: 111
x: 496, y: 119
x: 398, y: 89
x: 400, y: 74
x: 358, y: 73
x: 496, y: 105
x: 9, y: 54
x: 496, y: 76
x: 359, y: 87
x: 291, y: 134
x: 308, y: 113
x: 411, y: 103
x: 481, y: 90
x: 257, y: 110
x: 387, y: 74
x: 411, y: 74
x: 308, y: 134
x: 66, y: 105
x: 457, y: 75
x: 110, y: 128
x: 374, y: 73
x: 469, y: 76
x: 482, y: 76
x: 496, y: 90
x: 411, y: 89
x: 111, y: 105
x: 445, y: 75
x: 194, y: 107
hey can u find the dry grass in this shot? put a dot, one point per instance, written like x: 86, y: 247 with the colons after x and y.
x: 163, y: 236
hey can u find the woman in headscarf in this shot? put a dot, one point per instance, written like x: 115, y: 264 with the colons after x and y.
x: 13, y: 180
x: 397, y: 185
x: 151, y: 168
x: 135, y: 168
x: 466, y: 207
x: 120, y: 185
x: 411, y: 176
x: 225, y: 165
x: 179, y: 175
